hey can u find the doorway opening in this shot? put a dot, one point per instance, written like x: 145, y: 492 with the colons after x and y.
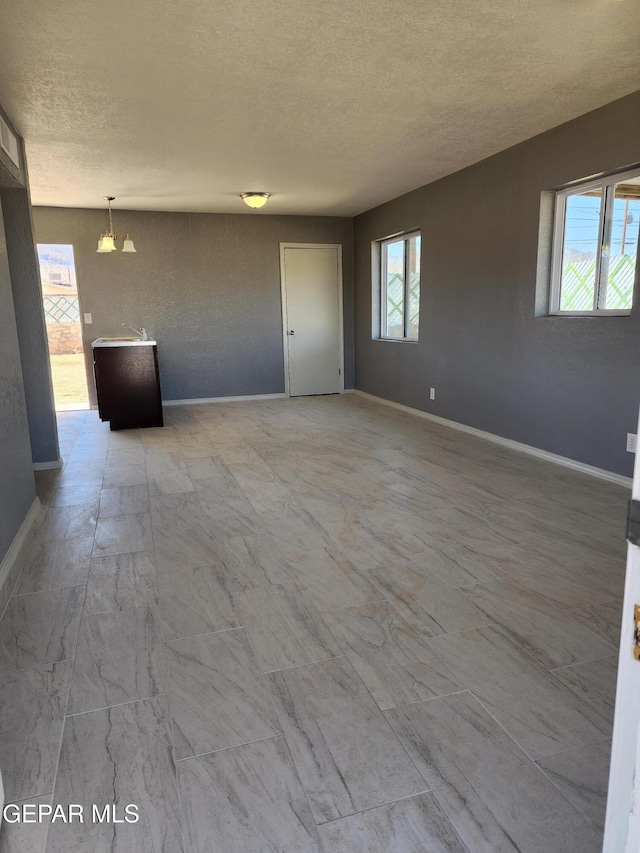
x: 64, y: 326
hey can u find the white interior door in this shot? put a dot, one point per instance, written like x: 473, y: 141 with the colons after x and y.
x: 622, y: 829
x: 312, y: 318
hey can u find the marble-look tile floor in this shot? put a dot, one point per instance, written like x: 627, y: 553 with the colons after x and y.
x: 311, y: 625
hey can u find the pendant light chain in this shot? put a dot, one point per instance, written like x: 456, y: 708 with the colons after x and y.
x: 110, y: 198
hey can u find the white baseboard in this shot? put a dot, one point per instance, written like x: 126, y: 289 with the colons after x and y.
x: 610, y: 476
x: 47, y: 466
x: 18, y: 540
x: 199, y: 400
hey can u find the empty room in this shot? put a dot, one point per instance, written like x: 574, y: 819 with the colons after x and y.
x: 319, y: 531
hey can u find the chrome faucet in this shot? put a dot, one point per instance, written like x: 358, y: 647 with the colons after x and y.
x: 142, y: 332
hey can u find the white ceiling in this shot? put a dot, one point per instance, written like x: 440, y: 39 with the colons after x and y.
x: 331, y: 106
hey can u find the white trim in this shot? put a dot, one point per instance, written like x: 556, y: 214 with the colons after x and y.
x: 47, y: 466
x: 199, y: 400
x: 406, y: 237
x: 622, y: 824
x: 606, y: 179
x: 18, y: 541
x: 283, y: 298
x: 610, y: 476
x: 597, y: 312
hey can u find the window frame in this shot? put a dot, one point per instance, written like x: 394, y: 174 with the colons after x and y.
x: 607, y: 186
x: 406, y: 237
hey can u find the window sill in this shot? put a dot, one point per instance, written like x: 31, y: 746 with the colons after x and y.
x: 396, y: 340
x: 589, y: 314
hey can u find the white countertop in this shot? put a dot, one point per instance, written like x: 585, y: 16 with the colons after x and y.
x: 122, y: 342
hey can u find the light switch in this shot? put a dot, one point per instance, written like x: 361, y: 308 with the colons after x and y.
x: 88, y: 318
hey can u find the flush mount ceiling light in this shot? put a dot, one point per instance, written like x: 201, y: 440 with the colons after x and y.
x: 107, y: 242
x: 255, y: 200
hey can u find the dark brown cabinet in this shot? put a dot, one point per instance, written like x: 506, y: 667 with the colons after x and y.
x: 128, y: 385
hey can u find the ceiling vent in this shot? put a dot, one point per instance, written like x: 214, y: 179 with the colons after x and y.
x: 9, y: 143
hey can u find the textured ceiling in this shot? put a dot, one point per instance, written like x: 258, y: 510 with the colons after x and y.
x: 331, y: 106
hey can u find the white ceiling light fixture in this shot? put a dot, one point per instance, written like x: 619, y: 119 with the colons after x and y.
x: 255, y: 200
x: 107, y: 242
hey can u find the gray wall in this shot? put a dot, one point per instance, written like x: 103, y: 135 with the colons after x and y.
x: 27, y: 302
x: 17, y: 489
x: 567, y: 385
x: 30, y: 323
x: 206, y: 285
x: 26, y: 399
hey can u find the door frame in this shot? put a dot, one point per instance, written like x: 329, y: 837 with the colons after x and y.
x: 86, y: 349
x: 622, y: 825
x: 86, y: 344
x: 283, y: 300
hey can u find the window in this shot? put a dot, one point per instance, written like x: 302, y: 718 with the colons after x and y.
x: 595, y: 246
x: 400, y: 287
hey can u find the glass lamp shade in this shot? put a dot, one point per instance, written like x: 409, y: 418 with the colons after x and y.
x: 128, y: 246
x: 255, y: 200
x: 106, y: 243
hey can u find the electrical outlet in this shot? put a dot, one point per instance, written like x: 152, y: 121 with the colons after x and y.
x: 432, y: 393
x: 88, y: 319
x: 632, y: 440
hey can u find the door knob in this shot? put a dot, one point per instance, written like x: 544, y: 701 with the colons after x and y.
x: 292, y: 333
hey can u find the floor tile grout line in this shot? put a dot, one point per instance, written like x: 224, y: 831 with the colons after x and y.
x: 548, y: 776
x: 174, y: 760
x: 27, y: 545
x: 168, y: 640
x: 526, y: 753
x: 161, y: 695
x: 64, y: 714
x: 605, y: 739
x: 575, y: 689
x: 435, y: 698
x: 564, y: 610
x: 442, y: 805
x: 165, y: 675
x: 381, y: 714
x: 507, y: 634
x: 426, y: 792
x: 415, y: 631
x: 48, y: 589
x: 515, y: 743
x: 28, y: 799
x: 426, y: 699
x: 292, y: 760
x: 581, y: 745
x: 577, y: 663
x: 227, y: 748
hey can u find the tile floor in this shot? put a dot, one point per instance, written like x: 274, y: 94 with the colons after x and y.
x: 307, y: 625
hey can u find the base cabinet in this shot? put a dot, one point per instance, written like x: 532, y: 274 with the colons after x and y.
x: 128, y: 386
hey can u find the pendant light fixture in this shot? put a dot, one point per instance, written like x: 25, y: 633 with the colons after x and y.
x: 107, y: 242
x: 255, y: 200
